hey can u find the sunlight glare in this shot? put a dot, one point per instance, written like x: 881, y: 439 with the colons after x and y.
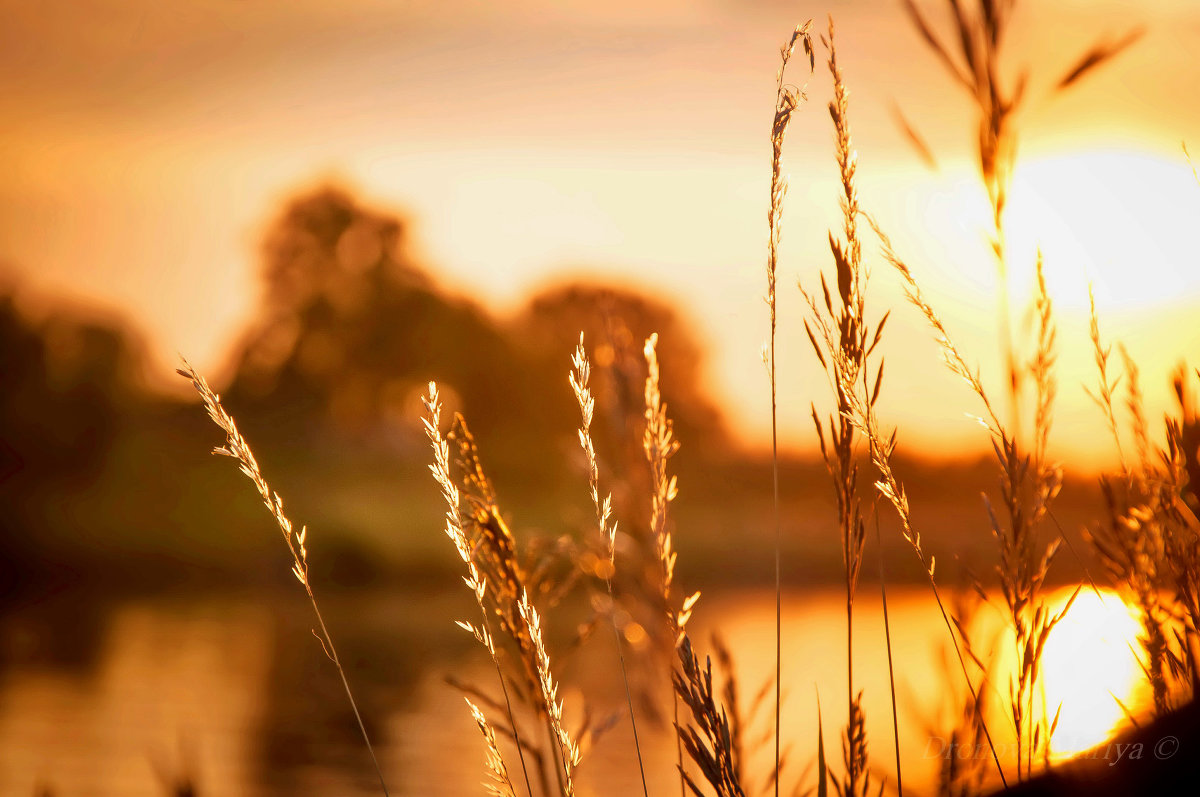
x: 1122, y: 220
x: 1088, y: 665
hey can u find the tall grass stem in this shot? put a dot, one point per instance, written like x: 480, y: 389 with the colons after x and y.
x: 239, y: 450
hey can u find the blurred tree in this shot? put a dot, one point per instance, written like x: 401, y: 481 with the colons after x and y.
x: 64, y: 383
x: 67, y: 385
x: 351, y: 330
x: 616, y: 323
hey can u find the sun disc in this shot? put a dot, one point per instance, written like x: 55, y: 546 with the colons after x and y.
x: 1090, y: 668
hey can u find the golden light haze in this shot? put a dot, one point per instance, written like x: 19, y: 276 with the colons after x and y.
x: 146, y: 145
x: 1092, y: 672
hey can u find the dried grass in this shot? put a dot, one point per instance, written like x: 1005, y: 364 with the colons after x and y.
x: 475, y: 581
x: 1149, y: 539
x: 1028, y: 484
x: 579, y: 378
x: 709, y: 738
x: 843, y: 341
x: 239, y: 450
x: 972, y: 59
x: 659, y: 445
x: 787, y: 100
x: 498, y: 784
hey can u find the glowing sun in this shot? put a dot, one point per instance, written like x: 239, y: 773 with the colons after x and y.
x: 1089, y: 664
x: 1122, y: 220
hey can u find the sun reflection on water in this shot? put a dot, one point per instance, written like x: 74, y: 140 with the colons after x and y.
x: 1091, y: 669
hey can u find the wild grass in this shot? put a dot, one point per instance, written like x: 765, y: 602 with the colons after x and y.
x: 1027, y: 485
x: 236, y: 448
x: 787, y: 100
x: 1148, y: 539
x: 972, y: 60
x: 843, y: 341
x: 474, y: 580
x: 501, y: 584
x: 1028, y: 481
x: 659, y: 445
x: 499, y: 785
x: 579, y: 378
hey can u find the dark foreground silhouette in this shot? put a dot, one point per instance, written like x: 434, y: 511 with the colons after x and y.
x: 1158, y: 758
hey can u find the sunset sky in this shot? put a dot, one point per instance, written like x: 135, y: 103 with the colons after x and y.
x: 145, y: 145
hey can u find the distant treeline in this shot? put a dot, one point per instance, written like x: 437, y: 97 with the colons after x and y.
x: 106, y: 483
x: 348, y: 331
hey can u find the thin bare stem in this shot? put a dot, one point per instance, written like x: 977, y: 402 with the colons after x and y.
x: 617, y: 639
x: 1107, y: 383
x: 881, y: 449
x: 333, y: 656
x: 887, y: 635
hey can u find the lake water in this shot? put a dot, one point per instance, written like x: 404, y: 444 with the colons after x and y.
x: 119, y: 699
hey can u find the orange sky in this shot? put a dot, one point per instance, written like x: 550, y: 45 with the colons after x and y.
x: 146, y: 144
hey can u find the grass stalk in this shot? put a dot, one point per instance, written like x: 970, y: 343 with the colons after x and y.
x: 881, y: 450
x: 579, y: 378
x: 659, y: 445
x: 1108, y: 384
x: 843, y: 341
x: 499, y: 785
x: 474, y: 580
x: 973, y: 62
x: 239, y: 450
x: 1028, y: 485
x: 710, y: 737
x: 628, y: 694
x: 887, y: 637
x: 493, y: 547
x: 787, y: 99
x: 568, y: 750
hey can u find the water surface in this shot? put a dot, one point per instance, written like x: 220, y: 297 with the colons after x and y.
x: 235, y: 693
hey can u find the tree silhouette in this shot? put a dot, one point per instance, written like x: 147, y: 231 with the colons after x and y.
x: 64, y: 383
x: 67, y: 392
x: 350, y: 329
x: 616, y: 322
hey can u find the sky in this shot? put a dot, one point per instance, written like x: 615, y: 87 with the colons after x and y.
x: 146, y: 146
